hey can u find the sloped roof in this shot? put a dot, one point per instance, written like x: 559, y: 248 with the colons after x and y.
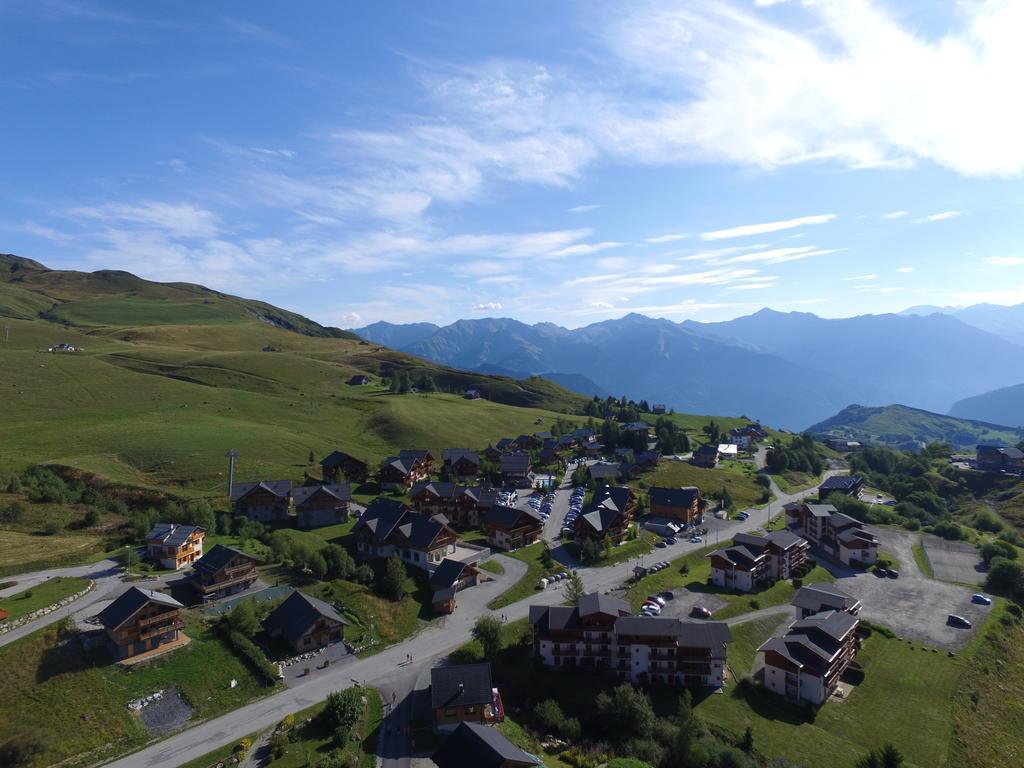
x: 472, y: 745
x: 814, y: 597
x: 280, y: 488
x: 447, y: 573
x: 604, y: 471
x: 443, y: 490
x: 304, y: 493
x: 381, y: 517
x: 419, y: 531
x: 461, y: 685
x: 821, y: 510
x: 675, y: 497
x: 217, y: 557
x: 515, y: 462
x: 507, y: 517
x: 172, y: 534
x: 833, y: 624
x: 297, y: 614
x: 840, y: 483
x: 451, y: 455
x: 414, y: 454
x: 130, y: 602
x: 595, y: 602
x: 337, y: 458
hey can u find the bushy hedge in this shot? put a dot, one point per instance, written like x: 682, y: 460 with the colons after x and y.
x: 253, y: 655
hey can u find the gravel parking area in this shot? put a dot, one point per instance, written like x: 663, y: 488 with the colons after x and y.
x: 913, y: 606
x: 953, y: 560
x: 166, y: 715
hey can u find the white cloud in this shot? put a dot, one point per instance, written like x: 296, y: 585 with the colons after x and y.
x: 895, y: 215
x: 666, y: 238
x: 1005, y: 296
x: 943, y: 216
x: 860, y: 277
x: 774, y: 255
x: 179, y: 219
x: 1004, y: 261
x: 584, y: 208
x: 905, y: 269
x: 582, y: 249
x: 487, y: 306
x: 747, y: 230
x: 349, y: 320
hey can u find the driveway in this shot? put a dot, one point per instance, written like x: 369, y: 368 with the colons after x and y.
x: 913, y: 606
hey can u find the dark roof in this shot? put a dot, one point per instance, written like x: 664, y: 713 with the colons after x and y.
x: 402, y: 465
x: 618, y: 495
x: 821, y: 510
x: 1010, y: 453
x: 840, y: 483
x: 675, y: 497
x: 484, y: 497
x: 413, y: 454
x: 472, y: 745
x: 555, y: 617
x: 172, y: 534
x: 381, y: 517
x: 130, y: 602
x: 600, y: 519
x: 419, y: 531
x: 515, y: 462
x: 503, y: 443
x: 816, y: 596
x: 447, y: 573
x: 304, y: 493
x: 740, y: 554
x: 218, y: 557
x: 337, y: 458
x: 461, y: 685
x: 707, y: 448
x: 648, y: 626
x: 443, y: 490
x: 841, y: 520
x: 279, y: 488
x: 603, y: 471
x: 507, y: 517
x: 452, y: 455
x: 609, y: 605
x: 297, y: 614
x: 834, y: 624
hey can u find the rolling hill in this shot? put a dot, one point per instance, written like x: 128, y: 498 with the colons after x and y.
x: 170, y: 376
x: 909, y: 428
x: 1004, y: 405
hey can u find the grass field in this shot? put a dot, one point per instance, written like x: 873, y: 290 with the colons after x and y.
x: 527, y: 585
x: 921, y: 558
x: 24, y: 552
x: 42, y: 595
x: 905, y: 699
x: 76, y: 704
x: 737, y: 477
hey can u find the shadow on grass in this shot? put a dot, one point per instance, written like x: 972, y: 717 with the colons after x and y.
x: 65, y: 656
x: 770, y: 706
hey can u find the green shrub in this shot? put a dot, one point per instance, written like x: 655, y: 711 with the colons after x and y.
x: 251, y: 652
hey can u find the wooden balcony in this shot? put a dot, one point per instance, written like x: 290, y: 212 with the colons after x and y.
x: 155, y: 630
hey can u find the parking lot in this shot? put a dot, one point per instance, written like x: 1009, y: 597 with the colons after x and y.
x: 954, y: 560
x: 913, y: 606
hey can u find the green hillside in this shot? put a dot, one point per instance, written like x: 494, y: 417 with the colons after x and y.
x: 910, y: 428
x: 170, y: 376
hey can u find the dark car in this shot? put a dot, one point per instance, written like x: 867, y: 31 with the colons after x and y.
x: 666, y: 595
x: 881, y: 572
x: 893, y: 574
x: 981, y: 599
x: 670, y: 540
x: 661, y: 545
x: 700, y: 612
x: 958, y: 621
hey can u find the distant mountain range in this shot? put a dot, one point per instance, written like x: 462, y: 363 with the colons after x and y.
x: 1007, y: 322
x: 908, y: 428
x: 792, y: 369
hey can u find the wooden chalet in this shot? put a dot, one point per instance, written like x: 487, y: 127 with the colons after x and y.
x: 684, y: 504
x: 608, y: 516
x: 464, y: 693
x: 263, y: 501
x: 338, y: 466
x: 139, y: 621
x: 402, y: 471
x: 515, y: 469
x: 319, y: 505
x: 388, y: 527
x: 511, y: 528
x: 223, y: 571
x: 705, y: 456
x: 473, y: 745
x: 174, y: 546
x: 460, y: 464
x: 450, y: 578
x: 305, y: 623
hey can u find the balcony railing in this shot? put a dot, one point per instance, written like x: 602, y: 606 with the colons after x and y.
x: 160, y: 629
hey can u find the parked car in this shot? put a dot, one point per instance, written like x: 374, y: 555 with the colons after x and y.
x: 742, y: 515
x: 661, y: 545
x: 671, y: 540
x: 696, y: 540
x: 981, y: 599
x: 655, y: 599
x: 893, y: 574
x: 666, y: 595
x: 881, y: 572
x: 957, y: 620
x: 700, y: 612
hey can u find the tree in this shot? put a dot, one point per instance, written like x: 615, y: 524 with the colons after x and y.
x: 626, y: 714
x: 242, y: 618
x: 747, y: 742
x: 1005, y: 577
x: 312, y: 458
x: 574, y: 588
x: 590, y: 550
x: 391, y: 583
x: 318, y: 565
x: 545, y: 556
x: 487, y: 632
x: 886, y: 757
x: 550, y: 715
x: 342, y: 710
x: 340, y: 564
x: 92, y: 517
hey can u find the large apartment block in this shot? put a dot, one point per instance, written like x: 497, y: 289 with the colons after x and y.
x: 839, y: 535
x: 600, y: 634
x: 753, y: 560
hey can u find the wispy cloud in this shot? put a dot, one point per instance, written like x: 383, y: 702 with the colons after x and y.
x: 905, y: 270
x: 666, y: 238
x: 895, y: 215
x: 857, y: 278
x: 488, y: 306
x: 584, y: 208
x: 942, y: 216
x: 746, y: 230
x: 179, y: 219
x: 1004, y: 261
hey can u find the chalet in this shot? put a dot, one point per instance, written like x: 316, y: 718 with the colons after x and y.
x: 140, y: 620
x: 641, y: 427
x: 728, y: 451
x: 705, y: 456
x: 402, y: 471
x: 593, y: 449
x: 479, y: 746
x: 608, y: 515
x: 492, y: 454
x: 997, y: 458
x: 603, y: 472
x: 359, y: 380
x: 842, y: 445
x: 510, y: 528
x: 806, y: 664
x: 341, y: 466
x: 527, y: 442
x: 600, y: 634
x: 583, y: 434
x: 388, y: 527
x: 460, y: 464
x: 543, y: 436
x: 816, y: 598
x: 683, y: 504
x: 464, y: 693
x: 460, y: 504
x: 320, y: 505
x: 174, y: 546
x: 847, y: 485
x: 222, y: 571
x: 515, y: 469
x: 838, y: 535
x: 506, y: 444
x: 658, y: 409
x: 450, y: 578
x: 754, y: 560
x: 305, y: 622
x: 263, y: 501
x: 647, y: 459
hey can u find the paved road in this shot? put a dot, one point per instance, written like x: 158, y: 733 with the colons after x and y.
x: 389, y: 666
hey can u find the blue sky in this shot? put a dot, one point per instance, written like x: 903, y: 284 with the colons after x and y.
x: 566, y: 162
